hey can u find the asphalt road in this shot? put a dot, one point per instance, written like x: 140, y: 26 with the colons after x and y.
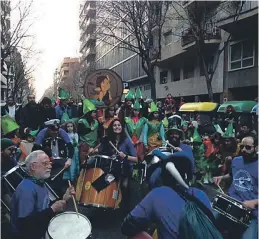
x: 105, y: 224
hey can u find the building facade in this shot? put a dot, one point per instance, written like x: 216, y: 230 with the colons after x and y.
x: 178, y: 71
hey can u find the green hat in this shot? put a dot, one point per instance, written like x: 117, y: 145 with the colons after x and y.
x: 138, y: 94
x: 64, y: 118
x: 8, y: 125
x: 172, y: 125
x: 62, y: 94
x: 33, y: 133
x: 88, y: 106
x: 6, y: 143
x: 130, y: 95
x: 137, y: 106
x: 53, y: 100
x: 229, y: 133
x: 184, y: 123
x: 153, y: 107
x: 196, y: 136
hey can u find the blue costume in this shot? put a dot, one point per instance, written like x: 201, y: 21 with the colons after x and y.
x: 243, y: 188
x: 154, y: 179
x: 30, y: 211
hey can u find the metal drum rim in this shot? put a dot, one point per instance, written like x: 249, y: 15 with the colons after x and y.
x: 71, y: 212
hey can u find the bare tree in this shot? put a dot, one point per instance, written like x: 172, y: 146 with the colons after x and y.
x: 201, y: 19
x: 137, y: 27
x: 18, y: 46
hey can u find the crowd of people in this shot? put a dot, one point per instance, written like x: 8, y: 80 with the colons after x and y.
x: 57, y: 136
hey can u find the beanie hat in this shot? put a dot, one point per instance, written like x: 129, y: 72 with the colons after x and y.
x: 5, y: 143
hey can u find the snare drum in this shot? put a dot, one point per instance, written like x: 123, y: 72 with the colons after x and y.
x: 232, y: 209
x: 86, y: 193
x: 68, y: 225
x: 14, y: 176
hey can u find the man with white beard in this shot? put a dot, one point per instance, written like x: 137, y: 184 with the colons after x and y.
x: 30, y: 206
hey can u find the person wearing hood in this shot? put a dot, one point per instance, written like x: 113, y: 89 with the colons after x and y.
x: 154, y: 132
x: 87, y: 130
x: 166, y: 205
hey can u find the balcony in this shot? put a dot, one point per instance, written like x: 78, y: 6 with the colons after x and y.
x: 90, y: 24
x: 212, y: 35
x: 90, y: 10
x: 91, y: 51
x: 247, y: 17
x: 90, y: 38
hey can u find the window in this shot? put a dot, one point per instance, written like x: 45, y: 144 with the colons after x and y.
x: 146, y: 87
x: 175, y: 75
x: 188, y: 71
x: 241, y: 55
x: 66, y: 73
x: 168, y: 37
x: 163, y: 77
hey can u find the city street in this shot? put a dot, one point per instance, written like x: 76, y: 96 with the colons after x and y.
x: 105, y: 224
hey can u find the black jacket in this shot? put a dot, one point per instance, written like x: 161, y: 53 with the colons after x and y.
x: 30, y: 116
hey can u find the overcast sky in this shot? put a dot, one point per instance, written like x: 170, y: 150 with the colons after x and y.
x: 57, y: 36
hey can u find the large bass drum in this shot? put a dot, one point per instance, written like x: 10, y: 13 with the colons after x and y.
x: 96, y: 185
x: 69, y: 225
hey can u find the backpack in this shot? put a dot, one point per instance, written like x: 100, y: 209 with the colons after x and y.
x: 197, y: 221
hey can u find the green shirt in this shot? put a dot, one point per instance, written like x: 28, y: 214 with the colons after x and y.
x: 90, y: 138
x: 136, y: 128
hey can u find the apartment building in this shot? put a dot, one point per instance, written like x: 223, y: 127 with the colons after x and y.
x: 87, y: 25
x: 66, y: 76
x: 5, y: 35
x: 178, y: 71
x: 241, y: 55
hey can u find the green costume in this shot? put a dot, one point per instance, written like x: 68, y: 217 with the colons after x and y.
x: 91, y: 137
x: 154, y: 132
x: 135, y: 125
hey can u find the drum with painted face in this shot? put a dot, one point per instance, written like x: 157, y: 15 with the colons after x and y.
x: 69, y: 225
x: 96, y: 186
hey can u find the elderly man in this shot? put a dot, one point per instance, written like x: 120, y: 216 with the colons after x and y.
x: 30, y: 206
x: 244, y: 187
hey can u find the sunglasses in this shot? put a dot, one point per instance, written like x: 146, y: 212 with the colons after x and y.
x: 247, y: 147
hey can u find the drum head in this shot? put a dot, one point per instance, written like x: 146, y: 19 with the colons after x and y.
x: 67, y: 225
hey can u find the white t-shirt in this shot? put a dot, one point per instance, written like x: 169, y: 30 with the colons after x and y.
x: 12, y: 111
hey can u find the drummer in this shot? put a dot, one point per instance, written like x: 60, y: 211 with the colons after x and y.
x: 244, y: 187
x: 174, y: 137
x: 55, y: 142
x: 30, y: 206
x: 127, y: 154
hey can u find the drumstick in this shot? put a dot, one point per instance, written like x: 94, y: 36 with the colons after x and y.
x: 74, y: 200
x: 61, y: 171
x: 221, y: 189
x: 96, y: 147
x: 174, y: 148
x: 114, y: 147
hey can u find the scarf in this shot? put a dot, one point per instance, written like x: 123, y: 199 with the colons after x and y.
x: 37, y: 181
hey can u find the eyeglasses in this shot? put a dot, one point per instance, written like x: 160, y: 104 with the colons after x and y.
x: 247, y: 147
x: 45, y: 164
x: 12, y: 149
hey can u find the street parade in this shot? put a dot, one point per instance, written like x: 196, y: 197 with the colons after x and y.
x: 57, y: 153
x: 129, y: 119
